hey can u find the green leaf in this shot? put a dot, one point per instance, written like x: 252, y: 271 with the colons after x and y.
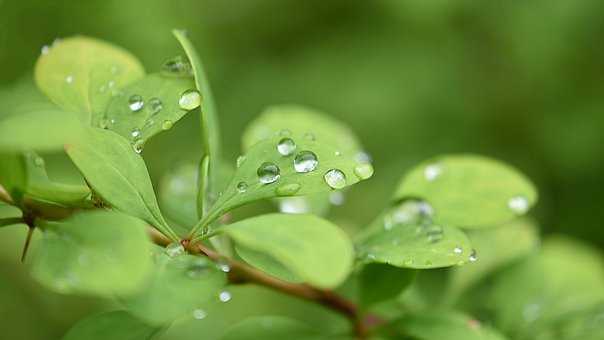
x: 438, y: 325
x: 267, y: 264
x: 178, y: 285
x: 469, y: 191
x: 119, y: 176
x: 80, y: 74
x: 401, y: 237
x: 43, y: 130
x: 13, y: 175
x: 160, y: 111
x: 313, y: 249
x: 115, y: 325
x: 272, y: 328
x: 98, y: 252
x: 246, y: 186
x: 381, y: 282
x: 9, y: 215
x: 209, y: 119
x: 177, y: 194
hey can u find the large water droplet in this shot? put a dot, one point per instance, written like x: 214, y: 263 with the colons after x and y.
x: 178, y: 66
x: 305, y: 161
x: 175, y: 249
x: 335, y: 178
x: 518, y: 204
x: 288, y: 189
x: 189, y: 100
x: 224, y: 296
x: 268, y: 173
x: 363, y: 170
x: 432, y: 171
x: 155, y: 106
x: 242, y: 187
x: 167, y: 125
x: 286, y: 146
x: 473, y: 256
x: 135, y: 103
x: 199, y: 314
x: 294, y: 205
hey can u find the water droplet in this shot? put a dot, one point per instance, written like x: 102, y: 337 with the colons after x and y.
x: 286, y: 146
x: 155, y: 105
x: 199, y: 314
x: 224, y: 296
x: 138, y: 145
x: 305, y: 161
x: 69, y: 79
x: 294, y: 205
x: 268, y: 173
x: 434, y: 233
x: 473, y: 256
x: 309, y: 136
x: 135, y: 103
x: 518, y: 204
x: 223, y: 266
x: 285, y: 133
x: 166, y: 125
x: 335, y: 178
x: 240, y: 161
x: 288, y: 189
x: 336, y: 198
x: 432, y: 171
x: 175, y: 249
x: 38, y: 161
x: 338, y: 153
x: 457, y: 250
x: 135, y: 133
x: 45, y: 49
x: 178, y: 66
x: 242, y: 187
x: 363, y: 170
x: 362, y: 157
x: 189, y: 100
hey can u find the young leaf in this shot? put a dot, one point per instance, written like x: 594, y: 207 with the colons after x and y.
x: 469, y: 191
x: 443, y: 325
x: 178, y: 285
x: 80, y: 74
x: 305, y: 166
x: 147, y: 107
x: 13, y: 175
x: 118, y: 175
x: 382, y: 282
x: 313, y: 249
x: 272, y: 328
x: 209, y: 120
x: 403, y: 237
x: 115, y: 325
x: 98, y: 252
x: 41, y: 129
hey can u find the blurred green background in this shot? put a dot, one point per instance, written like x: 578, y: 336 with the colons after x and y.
x: 521, y: 81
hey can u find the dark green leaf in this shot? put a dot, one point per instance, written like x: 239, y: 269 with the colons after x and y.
x: 80, y: 74
x: 116, y: 325
x: 381, y: 282
x: 469, y: 191
x: 313, y: 249
x: 118, y: 175
x: 101, y: 253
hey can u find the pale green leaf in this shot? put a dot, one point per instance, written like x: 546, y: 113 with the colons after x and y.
x: 159, y: 112
x: 273, y: 328
x: 313, y: 249
x: 43, y: 129
x: 469, y: 191
x: 115, y: 325
x: 118, y: 175
x: 98, y: 252
x: 178, y: 286
x: 382, y: 282
x: 80, y: 74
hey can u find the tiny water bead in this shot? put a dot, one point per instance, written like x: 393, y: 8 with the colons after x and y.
x: 305, y: 161
x: 189, y: 100
x: 268, y: 173
x: 518, y: 204
x: 240, y: 161
x: 335, y: 178
x: 167, y: 125
x: 288, y: 189
x: 242, y: 187
x: 223, y: 266
x: 457, y: 250
x: 138, y: 145
x: 286, y: 146
x: 363, y: 171
x: 199, y: 314
x: 224, y: 296
x: 135, y: 103
x: 473, y: 256
x: 178, y: 66
x: 45, y: 49
x: 135, y: 133
x: 155, y: 105
x: 175, y: 249
x: 432, y: 171
x: 69, y: 79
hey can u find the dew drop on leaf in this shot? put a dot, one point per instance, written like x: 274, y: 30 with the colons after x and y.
x: 362, y: 157
x: 38, y: 161
x: 178, y: 66
x: 457, y: 250
x: 335, y: 178
x: 45, y: 49
x: 288, y: 189
x: 135, y: 103
x: 223, y: 266
x: 363, y: 171
x: 175, y: 249
x: 224, y: 296
x: 135, y: 133
x: 166, y: 125
x: 138, y: 145
x: 199, y: 314
x: 240, y: 161
x: 432, y: 171
x: 305, y: 161
x: 518, y: 204
x: 268, y: 173
x: 155, y: 106
x: 189, y: 100
x: 286, y: 146
x: 69, y: 79
x: 242, y: 187
x: 473, y: 256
